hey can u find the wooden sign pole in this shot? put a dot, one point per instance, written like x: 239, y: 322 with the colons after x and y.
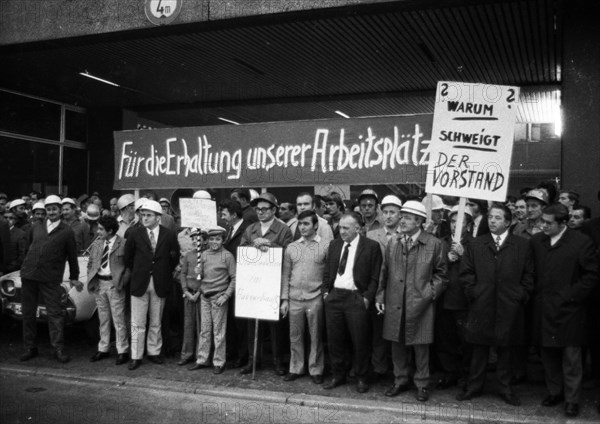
x: 460, y: 219
x: 255, y: 348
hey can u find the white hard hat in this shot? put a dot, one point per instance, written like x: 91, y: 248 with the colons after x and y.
x: 15, y: 203
x: 202, y: 194
x: 125, y: 200
x: 52, y: 199
x: 68, y: 201
x: 152, y: 205
x: 436, y: 203
x: 253, y: 194
x: 93, y: 212
x: 165, y: 200
x: 455, y: 210
x: 141, y: 202
x: 391, y: 200
x: 415, y: 208
x: 38, y: 205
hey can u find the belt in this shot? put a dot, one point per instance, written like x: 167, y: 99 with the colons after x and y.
x: 345, y: 290
x: 104, y: 277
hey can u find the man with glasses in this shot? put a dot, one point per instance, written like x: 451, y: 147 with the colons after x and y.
x: 267, y: 232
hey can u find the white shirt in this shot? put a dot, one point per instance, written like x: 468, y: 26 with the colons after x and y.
x: 155, y: 231
x: 476, y: 223
x: 236, y: 226
x: 52, y: 225
x: 414, y: 237
x: 346, y: 280
x: 502, y: 237
x: 111, y: 243
x: 557, y: 237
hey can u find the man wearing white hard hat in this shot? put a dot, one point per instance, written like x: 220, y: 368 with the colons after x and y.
x: 18, y: 207
x: 38, y: 212
x: 151, y: 253
x: 438, y: 226
x: 127, y: 217
x: 413, y: 276
x: 390, y: 212
x: 80, y: 228
x: 52, y: 244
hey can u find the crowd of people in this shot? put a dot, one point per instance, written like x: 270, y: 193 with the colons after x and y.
x: 385, y: 284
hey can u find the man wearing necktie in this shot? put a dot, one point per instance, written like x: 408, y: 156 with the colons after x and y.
x: 413, y: 276
x: 349, y: 284
x: 497, y: 275
x: 151, y: 253
x: 107, y: 278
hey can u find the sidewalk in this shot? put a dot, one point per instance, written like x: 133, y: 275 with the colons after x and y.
x: 442, y: 407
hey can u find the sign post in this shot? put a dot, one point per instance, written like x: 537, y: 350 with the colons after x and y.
x: 258, y: 287
x: 471, y: 141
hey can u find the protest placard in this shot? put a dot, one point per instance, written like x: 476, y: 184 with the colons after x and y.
x: 198, y: 213
x: 472, y: 140
x: 258, y: 283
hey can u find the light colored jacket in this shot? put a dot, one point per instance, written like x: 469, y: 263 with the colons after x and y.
x: 116, y: 260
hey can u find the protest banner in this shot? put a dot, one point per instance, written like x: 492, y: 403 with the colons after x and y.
x: 377, y: 150
x: 198, y: 213
x: 472, y: 140
x: 258, y: 283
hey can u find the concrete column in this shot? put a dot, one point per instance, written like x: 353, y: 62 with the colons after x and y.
x: 581, y: 101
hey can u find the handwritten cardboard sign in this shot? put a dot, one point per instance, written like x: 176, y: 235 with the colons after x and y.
x: 472, y: 140
x: 377, y: 150
x: 258, y: 283
x: 198, y: 213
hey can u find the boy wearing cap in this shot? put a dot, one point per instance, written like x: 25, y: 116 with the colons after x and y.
x: 413, y: 276
x: 217, y: 285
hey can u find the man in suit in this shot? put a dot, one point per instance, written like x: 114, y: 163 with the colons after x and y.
x: 566, y: 275
x: 107, y: 280
x: 390, y: 210
x: 237, y: 331
x: 497, y: 275
x: 151, y: 254
x: 243, y: 196
x: 413, y: 277
x: 479, y: 210
x: 349, y: 283
x: 52, y: 243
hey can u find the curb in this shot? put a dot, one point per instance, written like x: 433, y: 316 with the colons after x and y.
x: 404, y: 411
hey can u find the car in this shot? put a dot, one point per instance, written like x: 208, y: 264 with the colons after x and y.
x: 78, y: 306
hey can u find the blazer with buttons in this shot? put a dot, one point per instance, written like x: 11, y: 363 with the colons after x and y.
x: 144, y: 263
x: 116, y: 260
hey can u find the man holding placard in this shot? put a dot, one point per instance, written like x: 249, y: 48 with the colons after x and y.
x: 267, y: 232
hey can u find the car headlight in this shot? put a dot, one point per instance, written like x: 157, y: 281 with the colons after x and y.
x: 8, y: 288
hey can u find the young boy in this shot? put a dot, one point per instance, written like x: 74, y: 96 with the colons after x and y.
x: 217, y: 270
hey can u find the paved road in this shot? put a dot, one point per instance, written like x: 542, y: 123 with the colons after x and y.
x: 37, y: 399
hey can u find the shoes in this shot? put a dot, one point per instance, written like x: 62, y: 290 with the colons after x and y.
x: 218, y: 369
x: 396, y: 389
x: 121, y: 358
x: 518, y: 379
x: 510, y: 398
x: 157, y: 359
x: 335, y: 382
x: 571, y: 409
x: 291, y: 377
x: 98, y: 356
x: 29, y: 354
x: 134, y: 364
x: 362, y: 386
x: 198, y: 366
x: 446, y: 382
x: 467, y: 395
x: 317, y: 378
x: 185, y: 361
x: 247, y: 369
x: 61, y: 356
x: 280, y: 369
x: 239, y: 363
x: 423, y: 394
x: 553, y: 400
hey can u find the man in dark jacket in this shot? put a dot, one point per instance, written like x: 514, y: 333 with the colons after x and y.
x: 52, y: 242
x: 497, y: 273
x: 151, y: 253
x: 566, y: 274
